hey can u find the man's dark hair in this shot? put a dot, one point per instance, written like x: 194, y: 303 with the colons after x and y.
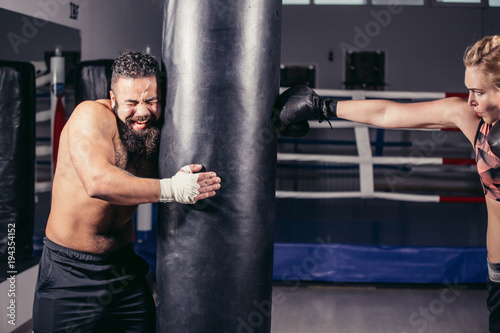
x: 132, y: 64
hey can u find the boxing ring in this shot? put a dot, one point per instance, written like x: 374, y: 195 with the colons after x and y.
x: 368, y: 173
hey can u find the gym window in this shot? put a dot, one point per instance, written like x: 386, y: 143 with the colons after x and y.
x: 474, y: 3
x: 296, y: 2
x: 399, y: 2
x: 359, y: 2
x: 340, y: 2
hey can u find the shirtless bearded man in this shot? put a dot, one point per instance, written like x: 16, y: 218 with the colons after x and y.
x: 90, y: 279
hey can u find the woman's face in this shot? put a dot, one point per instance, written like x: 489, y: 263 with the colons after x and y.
x: 484, y: 97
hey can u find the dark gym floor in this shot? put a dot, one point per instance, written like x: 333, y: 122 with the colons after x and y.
x: 387, y: 309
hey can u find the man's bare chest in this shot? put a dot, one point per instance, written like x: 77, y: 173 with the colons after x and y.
x: 136, y: 165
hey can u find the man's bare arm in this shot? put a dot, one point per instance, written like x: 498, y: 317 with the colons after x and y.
x: 91, y: 132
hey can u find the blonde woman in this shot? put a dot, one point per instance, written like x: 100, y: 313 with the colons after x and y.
x: 476, y: 118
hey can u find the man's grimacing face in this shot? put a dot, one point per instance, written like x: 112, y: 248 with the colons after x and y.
x: 136, y: 105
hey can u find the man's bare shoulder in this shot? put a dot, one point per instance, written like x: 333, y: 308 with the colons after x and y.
x: 95, y: 106
x: 105, y: 102
x: 95, y: 115
x: 100, y: 109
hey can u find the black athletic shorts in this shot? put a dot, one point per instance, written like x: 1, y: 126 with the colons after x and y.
x: 79, y: 292
x: 493, y: 303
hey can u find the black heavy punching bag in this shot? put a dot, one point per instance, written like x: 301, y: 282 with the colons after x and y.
x: 17, y: 160
x: 92, y: 80
x: 214, y: 259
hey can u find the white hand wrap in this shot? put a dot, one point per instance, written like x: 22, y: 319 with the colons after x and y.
x: 181, y: 188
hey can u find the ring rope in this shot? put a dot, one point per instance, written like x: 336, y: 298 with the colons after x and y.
x: 376, y: 160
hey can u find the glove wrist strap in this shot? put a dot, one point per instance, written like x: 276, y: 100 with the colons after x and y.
x: 331, y: 109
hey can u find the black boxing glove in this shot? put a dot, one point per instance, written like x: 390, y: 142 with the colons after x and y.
x: 296, y: 130
x: 301, y: 103
x: 493, y: 139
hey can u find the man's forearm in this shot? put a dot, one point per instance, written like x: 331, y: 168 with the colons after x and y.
x: 122, y: 188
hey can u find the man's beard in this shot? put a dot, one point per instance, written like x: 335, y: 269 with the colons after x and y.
x: 143, y: 143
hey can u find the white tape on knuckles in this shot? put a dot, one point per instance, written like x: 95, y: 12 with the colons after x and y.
x: 181, y: 188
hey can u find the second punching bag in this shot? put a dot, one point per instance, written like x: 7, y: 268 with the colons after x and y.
x: 214, y: 259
